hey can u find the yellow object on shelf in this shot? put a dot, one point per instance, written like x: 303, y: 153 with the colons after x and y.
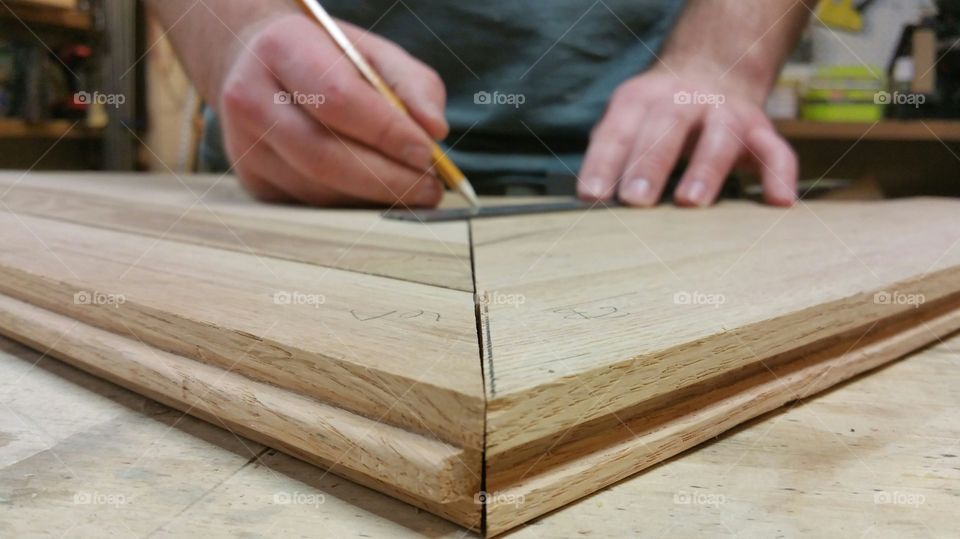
x: 845, y: 94
x: 840, y: 14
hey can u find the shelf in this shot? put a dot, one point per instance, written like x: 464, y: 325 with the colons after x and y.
x: 47, y: 16
x: 12, y: 128
x: 886, y: 130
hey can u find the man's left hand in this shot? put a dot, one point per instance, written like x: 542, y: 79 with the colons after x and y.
x: 654, y: 119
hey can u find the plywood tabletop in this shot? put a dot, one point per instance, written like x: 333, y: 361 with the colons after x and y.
x: 876, y: 457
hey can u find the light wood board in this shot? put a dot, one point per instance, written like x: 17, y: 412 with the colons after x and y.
x: 598, y: 344
x: 596, y: 320
x: 212, y: 211
x: 828, y: 466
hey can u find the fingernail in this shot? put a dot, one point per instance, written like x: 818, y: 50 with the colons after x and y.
x: 636, y: 192
x: 419, y: 157
x: 596, y: 188
x: 697, y: 193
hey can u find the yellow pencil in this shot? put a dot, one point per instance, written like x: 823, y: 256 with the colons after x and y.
x: 446, y: 169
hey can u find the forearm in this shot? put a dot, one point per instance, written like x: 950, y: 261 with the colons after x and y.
x: 736, y: 42
x: 208, y: 35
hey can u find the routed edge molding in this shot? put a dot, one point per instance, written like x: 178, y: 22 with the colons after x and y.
x: 420, y: 470
x: 597, y: 455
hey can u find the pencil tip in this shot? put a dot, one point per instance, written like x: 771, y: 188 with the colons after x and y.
x: 468, y: 193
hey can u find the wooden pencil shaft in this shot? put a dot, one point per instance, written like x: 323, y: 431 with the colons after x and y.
x: 446, y: 169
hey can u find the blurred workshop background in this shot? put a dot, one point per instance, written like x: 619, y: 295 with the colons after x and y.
x: 870, y: 98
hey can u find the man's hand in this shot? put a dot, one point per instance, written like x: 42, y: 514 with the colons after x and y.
x: 655, y: 118
x: 703, y: 99
x: 300, y: 122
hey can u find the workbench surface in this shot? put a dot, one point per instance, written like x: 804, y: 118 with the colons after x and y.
x: 876, y: 457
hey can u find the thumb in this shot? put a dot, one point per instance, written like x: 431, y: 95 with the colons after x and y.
x: 416, y: 84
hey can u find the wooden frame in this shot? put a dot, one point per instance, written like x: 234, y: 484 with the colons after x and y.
x: 488, y: 372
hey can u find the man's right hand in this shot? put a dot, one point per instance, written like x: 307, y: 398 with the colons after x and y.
x: 300, y: 122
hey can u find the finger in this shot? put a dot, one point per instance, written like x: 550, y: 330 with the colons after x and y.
x: 716, y: 152
x: 419, y: 87
x: 325, y: 85
x: 610, y: 145
x: 272, y: 174
x: 778, y: 165
x: 347, y: 167
x: 653, y: 158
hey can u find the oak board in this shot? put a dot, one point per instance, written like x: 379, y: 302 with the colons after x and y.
x: 464, y: 366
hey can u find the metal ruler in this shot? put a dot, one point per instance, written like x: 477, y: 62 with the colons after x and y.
x: 484, y: 212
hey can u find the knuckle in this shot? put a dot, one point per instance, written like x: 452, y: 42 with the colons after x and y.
x: 235, y: 97
x: 337, y: 88
x: 238, y: 99
x: 654, y: 163
x: 617, y: 134
x: 708, y: 172
x: 270, y: 43
x: 386, y: 129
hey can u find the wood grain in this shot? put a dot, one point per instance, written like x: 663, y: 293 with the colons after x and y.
x: 607, y: 327
x: 609, y: 451
x: 379, y: 347
x: 429, y: 473
x: 611, y: 339
x: 212, y: 211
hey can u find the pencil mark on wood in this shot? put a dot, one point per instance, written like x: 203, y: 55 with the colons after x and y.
x: 488, y: 349
x: 594, y: 313
x: 366, y: 317
x: 399, y: 315
x: 420, y: 314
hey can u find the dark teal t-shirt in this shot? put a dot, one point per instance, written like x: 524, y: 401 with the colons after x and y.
x: 526, y: 81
